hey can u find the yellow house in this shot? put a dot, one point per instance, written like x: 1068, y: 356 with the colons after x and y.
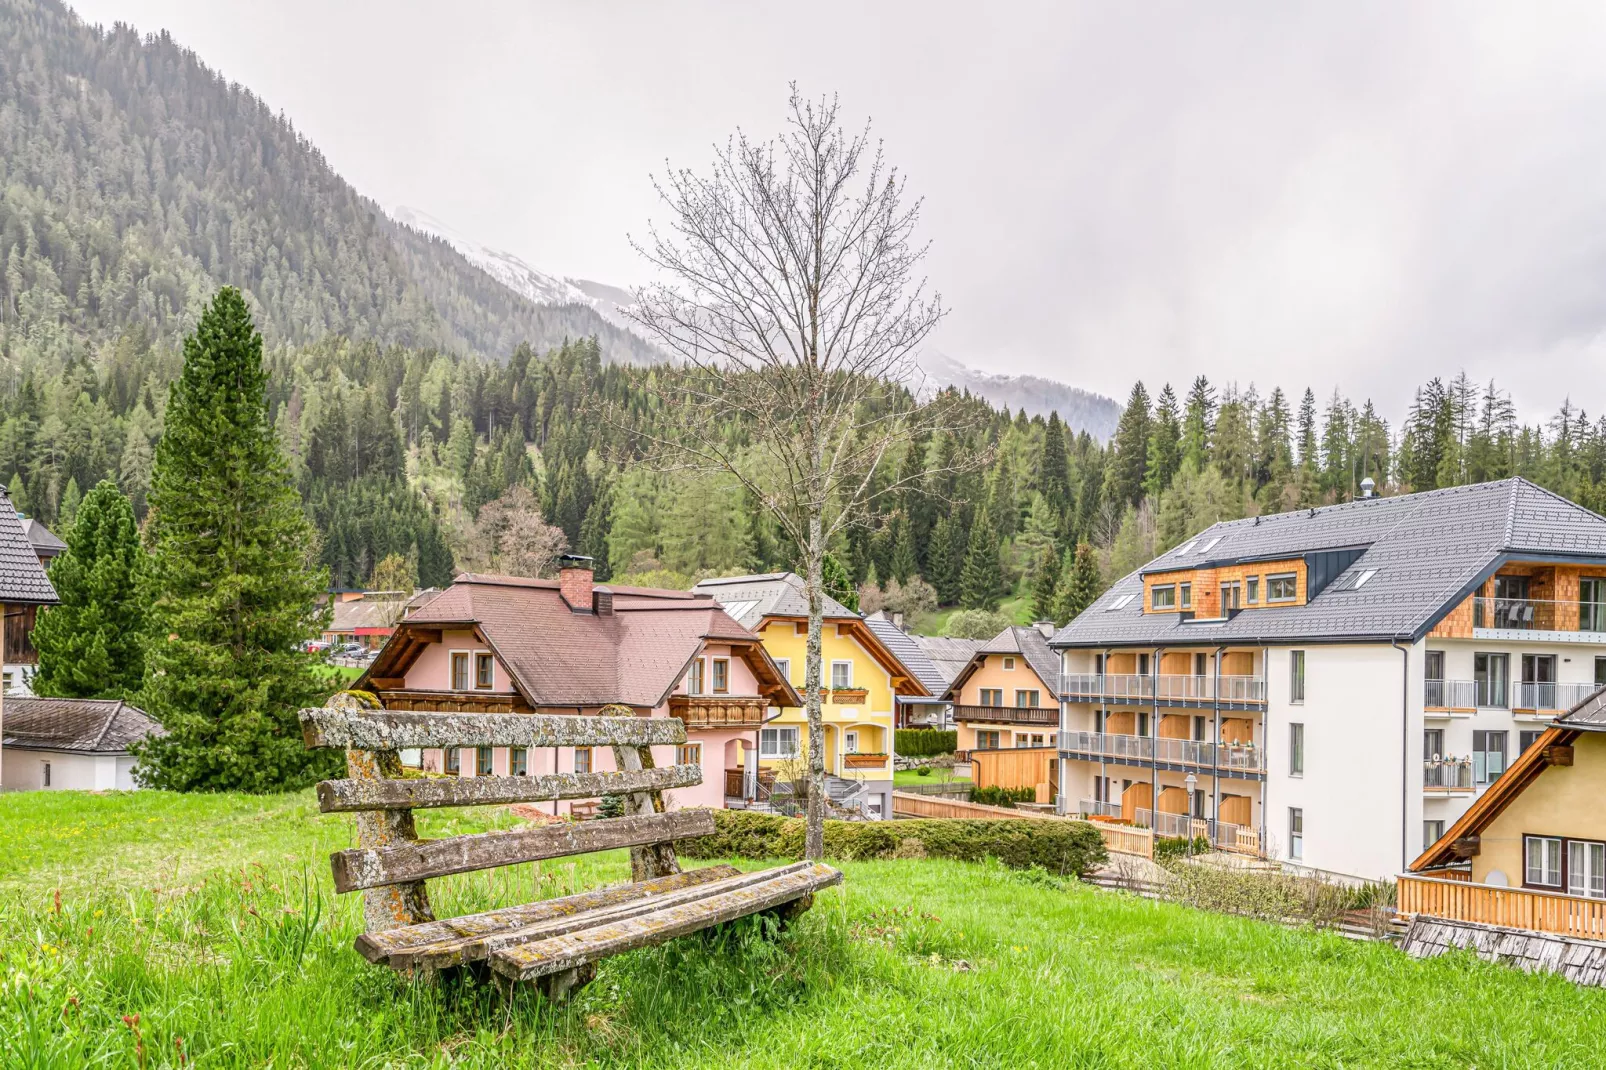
x: 861, y: 679
x: 1530, y: 853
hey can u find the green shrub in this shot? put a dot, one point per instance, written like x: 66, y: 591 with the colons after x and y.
x: 923, y: 742
x: 1177, y: 847
x: 924, y: 770
x: 1064, y: 847
x: 993, y: 795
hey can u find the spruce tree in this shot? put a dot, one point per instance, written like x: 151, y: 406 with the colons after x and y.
x: 946, y: 560
x: 1129, y: 463
x: 903, y: 564
x: 1044, y: 586
x: 982, y: 577
x: 838, y: 584
x: 90, y: 646
x: 1053, y: 477
x: 1080, y: 587
x: 231, y: 587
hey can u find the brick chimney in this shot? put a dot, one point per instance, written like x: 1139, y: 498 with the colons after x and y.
x: 574, y: 581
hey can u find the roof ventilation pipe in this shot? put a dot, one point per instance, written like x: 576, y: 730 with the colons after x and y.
x: 1368, y: 487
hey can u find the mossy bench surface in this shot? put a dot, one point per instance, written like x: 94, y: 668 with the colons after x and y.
x: 555, y: 942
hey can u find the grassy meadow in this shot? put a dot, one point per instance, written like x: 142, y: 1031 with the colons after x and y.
x: 138, y: 927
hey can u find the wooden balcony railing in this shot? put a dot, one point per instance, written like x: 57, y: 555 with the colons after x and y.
x: 718, y: 711
x: 1037, y: 715
x: 1515, y: 908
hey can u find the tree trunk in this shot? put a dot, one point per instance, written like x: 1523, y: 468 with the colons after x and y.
x: 814, y: 584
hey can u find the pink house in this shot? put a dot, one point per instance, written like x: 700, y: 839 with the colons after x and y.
x: 503, y: 644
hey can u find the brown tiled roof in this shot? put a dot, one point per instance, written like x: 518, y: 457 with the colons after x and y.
x: 94, y: 726
x: 559, y: 657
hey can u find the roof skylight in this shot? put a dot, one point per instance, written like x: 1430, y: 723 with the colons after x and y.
x: 1206, y: 547
x: 1121, y: 603
x: 738, y: 610
x: 1360, y: 581
x: 1185, y: 547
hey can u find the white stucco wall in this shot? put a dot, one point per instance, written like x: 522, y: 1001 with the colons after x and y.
x: 23, y: 770
x: 1354, y: 768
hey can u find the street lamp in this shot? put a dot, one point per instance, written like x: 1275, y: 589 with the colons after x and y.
x: 1192, y: 782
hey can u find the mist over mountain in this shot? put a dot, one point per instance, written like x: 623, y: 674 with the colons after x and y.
x: 1081, y: 409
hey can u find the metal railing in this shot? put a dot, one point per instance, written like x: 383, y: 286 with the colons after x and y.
x: 1241, y: 756
x: 1552, y: 696
x: 1449, y: 694
x: 1126, y: 687
x: 1538, y: 614
x: 1451, y: 774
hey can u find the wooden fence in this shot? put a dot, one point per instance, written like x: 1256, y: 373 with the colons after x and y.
x: 1516, y: 908
x: 1124, y: 839
x: 1016, y: 767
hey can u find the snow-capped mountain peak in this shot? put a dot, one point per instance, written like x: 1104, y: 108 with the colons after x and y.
x: 504, y: 267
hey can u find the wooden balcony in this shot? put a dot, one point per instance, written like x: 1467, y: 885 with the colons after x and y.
x: 454, y: 701
x: 1030, y: 715
x: 19, y: 635
x: 1514, y: 908
x: 718, y: 711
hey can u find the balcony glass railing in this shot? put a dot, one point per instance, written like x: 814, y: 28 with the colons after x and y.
x: 1538, y: 614
x: 1449, y: 774
x: 1126, y: 687
x: 1239, y: 756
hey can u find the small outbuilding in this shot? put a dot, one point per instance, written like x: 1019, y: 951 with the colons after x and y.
x: 71, y: 743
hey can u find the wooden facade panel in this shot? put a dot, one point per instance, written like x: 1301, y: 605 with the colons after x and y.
x: 1206, y: 584
x: 1124, y: 723
x: 1176, y: 726
x: 1173, y: 800
x: 1013, y: 768
x: 1237, y: 810
x: 1457, y: 624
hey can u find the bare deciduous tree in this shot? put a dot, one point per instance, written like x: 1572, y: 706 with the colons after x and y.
x: 512, y: 538
x: 789, y: 290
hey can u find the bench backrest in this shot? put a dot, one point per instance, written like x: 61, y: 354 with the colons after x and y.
x: 390, y: 865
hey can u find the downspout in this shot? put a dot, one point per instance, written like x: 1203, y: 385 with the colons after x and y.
x: 1103, y: 727
x: 1405, y: 751
x: 1265, y: 706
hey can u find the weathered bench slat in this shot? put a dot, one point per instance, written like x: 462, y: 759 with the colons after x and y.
x: 343, y: 796
x: 401, y: 730
x: 474, y: 948
x: 379, y: 947
x: 569, y: 951
x: 371, y: 868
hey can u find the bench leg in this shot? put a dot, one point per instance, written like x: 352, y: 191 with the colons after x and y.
x: 787, y: 913
x: 558, y: 987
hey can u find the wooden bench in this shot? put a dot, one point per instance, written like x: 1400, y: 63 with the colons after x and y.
x: 554, y: 942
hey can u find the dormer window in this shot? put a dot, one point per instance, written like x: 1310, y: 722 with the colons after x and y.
x: 1163, y: 597
x: 1282, y: 588
x: 1185, y: 595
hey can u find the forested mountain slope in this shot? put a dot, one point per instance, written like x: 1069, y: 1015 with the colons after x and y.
x: 134, y: 181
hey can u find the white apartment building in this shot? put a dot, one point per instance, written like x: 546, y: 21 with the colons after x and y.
x: 1333, y: 687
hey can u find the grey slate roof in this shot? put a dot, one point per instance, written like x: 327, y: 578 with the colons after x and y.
x: 1030, y: 644
x: 22, y: 577
x: 770, y: 594
x: 89, y: 726
x: 950, y: 656
x: 907, y: 649
x: 1589, y: 715
x: 1429, y: 549
x: 45, y: 544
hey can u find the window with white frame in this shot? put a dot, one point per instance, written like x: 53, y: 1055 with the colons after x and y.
x: 1296, y: 676
x: 44, y: 774
x: 1283, y: 587
x: 1163, y: 597
x: 1296, y: 750
x: 1185, y: 595
x: 1542, y: 861
x: 1431, y: 832
x: 850, y: 742
x: 1488, y: 756
x: 1252, y: 590
x: 841, y: 675
x: 778, y: 742
x: 1009, y: 664
x: 784, y: 667
x: 1296, y: 833
x: 1586, y: 869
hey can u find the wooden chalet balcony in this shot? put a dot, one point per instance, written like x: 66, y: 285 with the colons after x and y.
x: 1515, y: 908
x: 1165, y: 688
x: 1243, y: 758
x: 1030, y: 715
x: 719, y: 711
x: 454, y: 701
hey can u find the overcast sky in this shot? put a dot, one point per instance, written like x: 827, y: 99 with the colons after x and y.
x: 1350, y: 194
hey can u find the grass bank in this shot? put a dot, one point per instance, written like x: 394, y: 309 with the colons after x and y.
x: 212, y: 920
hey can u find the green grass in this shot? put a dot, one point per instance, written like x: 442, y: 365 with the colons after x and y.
x: 212, y: 920
x: 911, y: 776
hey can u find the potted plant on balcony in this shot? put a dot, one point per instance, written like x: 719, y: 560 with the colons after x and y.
x: 849, y: 696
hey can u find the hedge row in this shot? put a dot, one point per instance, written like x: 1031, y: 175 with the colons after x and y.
x: 1069, y: 848
x: 923, y: 742
x: 994, y: 795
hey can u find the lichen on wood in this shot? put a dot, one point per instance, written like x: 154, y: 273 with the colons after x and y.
x: 343, y: 796
x: 405, y: 730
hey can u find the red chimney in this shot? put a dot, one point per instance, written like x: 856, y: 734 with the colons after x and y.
x: 574, y: 581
